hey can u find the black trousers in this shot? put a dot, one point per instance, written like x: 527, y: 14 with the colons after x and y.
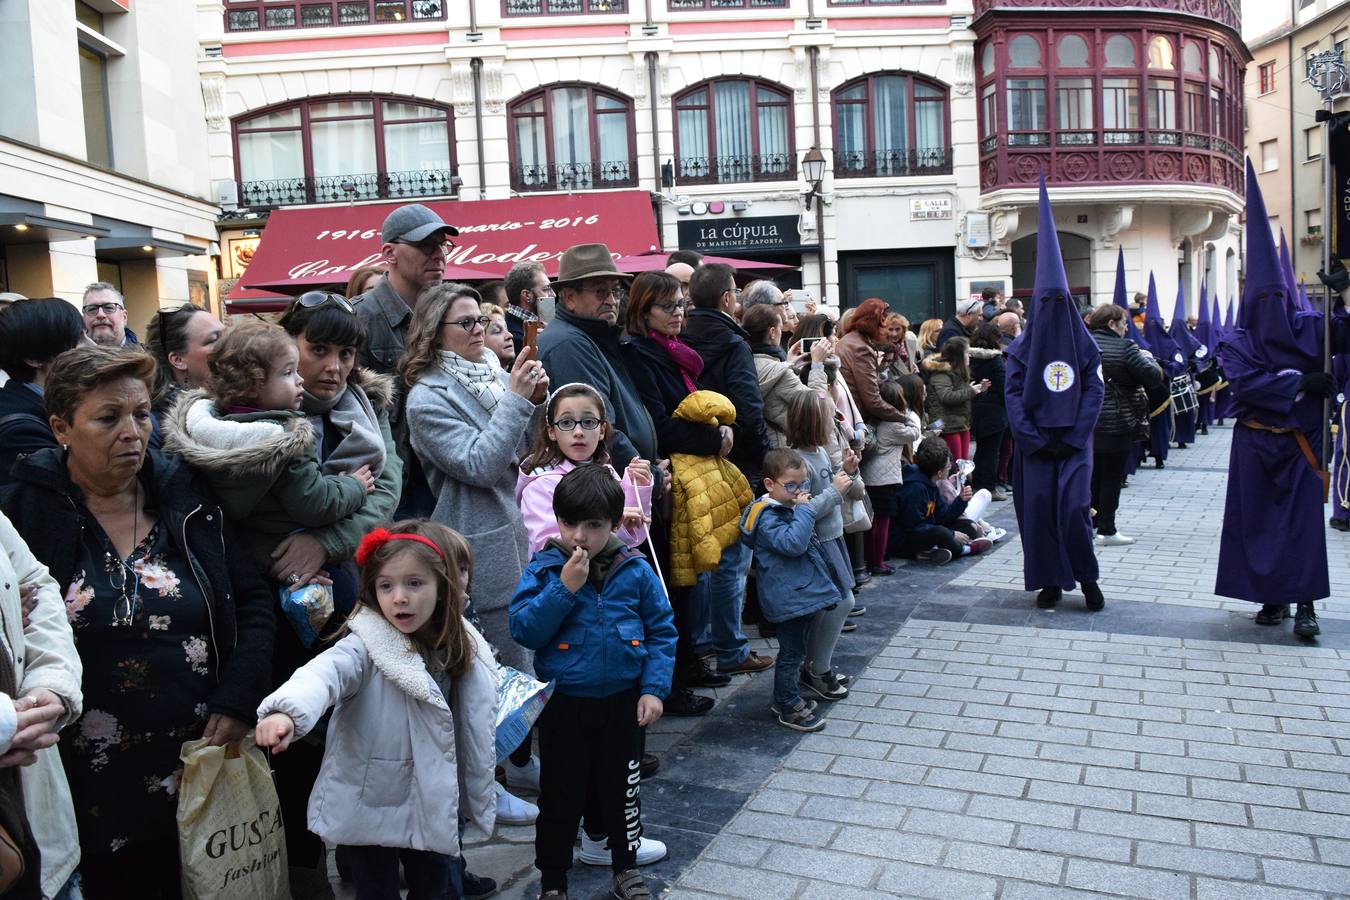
x: 987, y: 449
x: 926, y: 537
x: 585, y: 742
x: 430, y: 876
x: 1108, y: 469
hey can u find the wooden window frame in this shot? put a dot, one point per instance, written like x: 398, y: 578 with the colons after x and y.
x: 592, y: 115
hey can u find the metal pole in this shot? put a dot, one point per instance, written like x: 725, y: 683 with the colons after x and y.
x: 1326, y: 73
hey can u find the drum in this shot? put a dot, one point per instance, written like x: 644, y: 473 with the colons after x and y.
x: 1183, y: 395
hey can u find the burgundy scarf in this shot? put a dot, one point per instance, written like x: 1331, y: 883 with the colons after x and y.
x: 685, y: 358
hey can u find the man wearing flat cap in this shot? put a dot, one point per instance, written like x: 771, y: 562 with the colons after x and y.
x: 413, y: 241
x: 582, y: 344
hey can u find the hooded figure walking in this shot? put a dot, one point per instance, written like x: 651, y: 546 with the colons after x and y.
x: 1273, y: 550
x: 1162, y: 415
x: 1054, y: 392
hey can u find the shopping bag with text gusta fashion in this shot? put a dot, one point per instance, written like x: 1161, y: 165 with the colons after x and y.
x: 230, y: 836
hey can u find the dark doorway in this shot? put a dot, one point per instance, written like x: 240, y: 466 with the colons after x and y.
x: 1077, y: 253
x: 918, y: 284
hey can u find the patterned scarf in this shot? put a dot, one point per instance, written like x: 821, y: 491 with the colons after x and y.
x: 482, y: 379
x: 685, y: 358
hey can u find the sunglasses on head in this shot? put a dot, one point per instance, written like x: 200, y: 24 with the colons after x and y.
x: 320, y: 299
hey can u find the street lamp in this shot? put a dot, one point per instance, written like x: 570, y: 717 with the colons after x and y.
x: 813, y: 164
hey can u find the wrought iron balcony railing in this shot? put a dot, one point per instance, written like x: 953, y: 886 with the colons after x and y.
x: 276, y: 192
x: 575, y: 176
x: 563, y: 7
x: 892, y: 163
x: 736, y: 169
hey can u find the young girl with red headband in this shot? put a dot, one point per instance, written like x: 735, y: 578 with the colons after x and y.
x: 415, y: 691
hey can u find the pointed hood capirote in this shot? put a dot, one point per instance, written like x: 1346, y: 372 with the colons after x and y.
x: 1160, y: 342
x: 1287, y: 271
x: 1215, y: 325
x: 1056, y: 346
x: 1282, y: 337
x: 1204, y: 329
x: 1122, y: 299
x: 1186, y: 342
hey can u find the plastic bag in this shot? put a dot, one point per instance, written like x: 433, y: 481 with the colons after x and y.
x: 308, y: 609
x: 230, y: 836
x: 520, y: 700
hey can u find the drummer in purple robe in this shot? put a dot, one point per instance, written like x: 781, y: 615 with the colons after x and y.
x: 1185, y: 421
x: 1054, y: 392
x: 1274, y: 550
x: 1173, y: 362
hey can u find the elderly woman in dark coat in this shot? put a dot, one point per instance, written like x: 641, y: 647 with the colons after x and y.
x: 174, y: 631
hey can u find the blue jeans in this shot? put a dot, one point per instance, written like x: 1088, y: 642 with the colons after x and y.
x: 430, y: 876
x: 792, y: 637
x: 719, y: 595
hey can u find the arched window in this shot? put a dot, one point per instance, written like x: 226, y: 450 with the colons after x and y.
x: 1024, y: 52
x: 891, y: 124
x: 987, y: 60
x: 572, y: 137
x: 1072, y: 52
x: 1161, y: 54
x: 734, y: 130
x: 1120, y: 52
x: 336, y: 149
x: 1192, y: 59
x: 1215, y: 70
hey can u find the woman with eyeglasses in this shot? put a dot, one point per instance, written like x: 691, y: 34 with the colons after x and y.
x: 172, y: 625
x: 180, y: 340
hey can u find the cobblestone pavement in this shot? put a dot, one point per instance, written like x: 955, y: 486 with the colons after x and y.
x: 1163, y: 747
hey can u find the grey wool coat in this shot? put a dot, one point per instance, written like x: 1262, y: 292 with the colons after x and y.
x: 471, y: 459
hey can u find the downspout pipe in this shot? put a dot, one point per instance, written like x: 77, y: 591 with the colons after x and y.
x: 476, y: 67
x: 653, y: 97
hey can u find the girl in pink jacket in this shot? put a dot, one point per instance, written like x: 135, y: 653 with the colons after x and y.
x: 574, y: 434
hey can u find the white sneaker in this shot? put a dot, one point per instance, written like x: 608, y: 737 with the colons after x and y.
x: 1114, y: 540
x: 996, y: 534
x: 596, y: 853
x: 511, y: 810
x: 524, y: 777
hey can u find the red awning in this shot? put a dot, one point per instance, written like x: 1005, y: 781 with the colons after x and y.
x: 324, y: 244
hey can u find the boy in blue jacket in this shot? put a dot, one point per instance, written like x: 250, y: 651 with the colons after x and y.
x: 601, y: 627
x: 795, y: 581
x: 926, y: 527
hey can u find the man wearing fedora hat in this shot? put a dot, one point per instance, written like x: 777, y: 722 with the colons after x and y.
x: 413, y: 241
x: 582, y: 344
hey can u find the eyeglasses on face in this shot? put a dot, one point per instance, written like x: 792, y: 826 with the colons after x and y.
x: 468, y: 323
x: 795, y: 487
x: 588, y: 423
x: 604, y: 291
x: 671, y: 309
x: 320, y: 299
x: 431, y: 246
x: 107, y: 309
x: 783, y: 303
x: 736, y: 292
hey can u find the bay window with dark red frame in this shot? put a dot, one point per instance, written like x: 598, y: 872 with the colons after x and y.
x: 343, y: 148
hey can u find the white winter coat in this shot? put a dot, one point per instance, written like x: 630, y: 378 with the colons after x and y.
x: 882, y: 464
x: 401, y: 764
x: 44, y: 656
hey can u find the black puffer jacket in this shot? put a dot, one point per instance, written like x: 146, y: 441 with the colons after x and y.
x: 988, y: 413
x: 1125, y: 369
x: 47, y: 510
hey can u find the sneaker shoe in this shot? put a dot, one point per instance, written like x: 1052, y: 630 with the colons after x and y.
x: 861, y: 577
x: 628, y: 885
x: 478, y: 887
x: 699, y: 674
x: 810, y: 706
x: 524, y: 777
x: 979, y: 545
x: 596, y: 852
x: 857, y: 611
x: 939, y: 557
x: 511, y: 810
x: 752, y: 663
x: 1093, y: 595
x: 848, y: 626
x: 684, y: 702
x: 553, y: 895
x: 805, y: 668
x: 649, y: 766
x: 801, y: 718
x: 1113, y: 540
x: 997, y: 496
x: 1305, y: 622
x: 1341, y: 524
x: 997, y: 534
x: 1049, y: 598
x: 1272, y: 614
x: 826, y: 686
x: 882, y: 570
